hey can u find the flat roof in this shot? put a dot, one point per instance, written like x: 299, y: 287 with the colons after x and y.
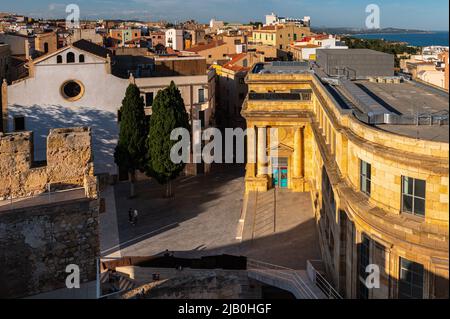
x: 411, y: 99
x: 352, y: 52
x: 392, y: 107
x: 279, y: 67
x: 407, y: 98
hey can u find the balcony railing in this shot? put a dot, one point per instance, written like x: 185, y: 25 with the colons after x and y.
x: 282, y: 277
x: 320, y: 281
x: 306, y: 96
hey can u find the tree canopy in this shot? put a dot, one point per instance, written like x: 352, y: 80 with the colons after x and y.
x: 131, y: 148
x: 168, y: 113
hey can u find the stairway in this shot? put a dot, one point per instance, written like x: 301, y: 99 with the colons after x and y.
x: 294, y: 281
x: 261, y: 213
x: 115, y: 282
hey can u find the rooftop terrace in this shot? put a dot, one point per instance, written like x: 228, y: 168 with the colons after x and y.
x: 281, y: 67
x: 426, y: 106
x: 402, y: 107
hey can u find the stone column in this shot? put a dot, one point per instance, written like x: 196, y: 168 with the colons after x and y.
x: 262, y: 151
x: 298, y: 152
x: 251, y: 151
x: 296, y: 163
x: 302, y: 152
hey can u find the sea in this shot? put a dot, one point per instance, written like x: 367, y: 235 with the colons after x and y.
x: 413, y: 39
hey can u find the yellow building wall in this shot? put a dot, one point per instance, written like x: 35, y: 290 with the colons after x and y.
x: 338, y: 142
x: 264, y: 37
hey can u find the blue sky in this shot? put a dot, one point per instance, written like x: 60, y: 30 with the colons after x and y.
x: 418, y: 14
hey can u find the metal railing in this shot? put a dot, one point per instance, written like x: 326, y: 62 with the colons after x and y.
x: 122, y: 284
x: 319, y: 280
x: 285, y: 274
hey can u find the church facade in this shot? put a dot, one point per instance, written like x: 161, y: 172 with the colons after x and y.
x: 76, y: 86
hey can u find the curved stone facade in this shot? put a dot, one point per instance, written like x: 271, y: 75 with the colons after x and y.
x: 325, y: 146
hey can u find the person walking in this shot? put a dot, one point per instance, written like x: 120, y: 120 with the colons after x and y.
x: 130, y: 216
x: 135, y: 217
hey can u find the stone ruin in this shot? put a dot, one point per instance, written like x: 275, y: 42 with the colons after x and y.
x: 69, y: 164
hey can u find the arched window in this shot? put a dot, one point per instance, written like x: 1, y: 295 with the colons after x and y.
x: 45, y: 47
x: 81, y: 58
x: 59, y: 59
x: 70, y: 57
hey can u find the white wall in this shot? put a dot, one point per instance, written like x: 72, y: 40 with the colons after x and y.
x: 435, y: 77
x: 39, y: 99
x: 177, y: 39
x: 271, y: 19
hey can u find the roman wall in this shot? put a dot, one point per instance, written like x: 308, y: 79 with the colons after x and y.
x: 68, y: 164
x: 39, y: 242
x: 41, y: 235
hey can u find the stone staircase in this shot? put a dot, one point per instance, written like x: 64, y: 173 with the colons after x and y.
x: 116, y: 282
x: 144, y: 276
x: 296, y: 282
x: 260, y: 216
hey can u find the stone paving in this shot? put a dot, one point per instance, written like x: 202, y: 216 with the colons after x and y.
x: 292, y: 238
x: 203, y: 215
x: 202, y: 219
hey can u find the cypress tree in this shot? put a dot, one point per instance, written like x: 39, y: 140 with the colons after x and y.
x: 131, y: 148
x: 168, y: 113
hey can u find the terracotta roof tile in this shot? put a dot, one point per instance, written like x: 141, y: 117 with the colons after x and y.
x: 206, y: 46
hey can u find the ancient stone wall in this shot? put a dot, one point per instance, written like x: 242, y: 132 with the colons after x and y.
x: 69, y: 163
x: 41, y: 235
x: 38, y: 243
x: 200, y: 284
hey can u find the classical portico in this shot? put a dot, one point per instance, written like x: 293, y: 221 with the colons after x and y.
x: 276, y: 157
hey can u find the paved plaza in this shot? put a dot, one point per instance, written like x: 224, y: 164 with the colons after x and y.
x: 203, y: 219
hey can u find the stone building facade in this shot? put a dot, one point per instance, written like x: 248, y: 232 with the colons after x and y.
x: 361, y: 178
x: 5, y: 61
x: 77, y: 86
x: 48, y: 212
x: 46, y: 42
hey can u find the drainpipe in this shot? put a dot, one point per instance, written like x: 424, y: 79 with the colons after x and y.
x: 98, y: 279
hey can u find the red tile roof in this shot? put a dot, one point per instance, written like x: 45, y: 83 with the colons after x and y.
x: 316, y: 37
x: 268, y: 28
x: 204, y: 47
x: 235, y: 68
x: 235, y: 58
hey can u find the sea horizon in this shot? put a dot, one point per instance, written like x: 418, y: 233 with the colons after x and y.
x: 438, y: 38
